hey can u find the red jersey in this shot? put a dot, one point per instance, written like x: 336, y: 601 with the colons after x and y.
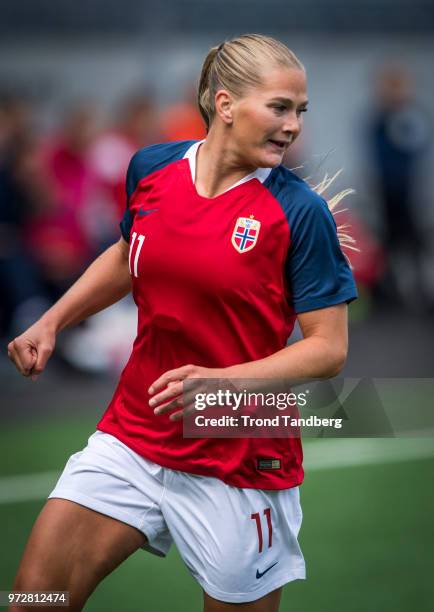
x: 217, y: 282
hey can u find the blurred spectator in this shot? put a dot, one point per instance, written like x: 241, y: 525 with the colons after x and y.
x: 182, y: 120
x: 135, y: 127
x: 398, y: 138
x: 15, y: 119
x: 59, y: 236
x: 22, y: 192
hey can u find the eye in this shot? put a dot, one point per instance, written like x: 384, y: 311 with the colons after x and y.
x: 301, y: 110
x: 279, y: 108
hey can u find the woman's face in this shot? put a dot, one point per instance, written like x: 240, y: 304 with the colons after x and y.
x: 268, y: 118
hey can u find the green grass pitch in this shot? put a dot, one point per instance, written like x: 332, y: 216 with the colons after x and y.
x: 367, y: 535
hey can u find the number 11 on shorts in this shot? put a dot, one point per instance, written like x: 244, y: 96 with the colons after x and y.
x: 257, y: 517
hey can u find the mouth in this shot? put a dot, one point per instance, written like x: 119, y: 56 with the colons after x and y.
x: 280, y: 145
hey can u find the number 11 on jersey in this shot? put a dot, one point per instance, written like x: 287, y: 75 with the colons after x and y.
x: 257, y: 517
x: 140, y: 239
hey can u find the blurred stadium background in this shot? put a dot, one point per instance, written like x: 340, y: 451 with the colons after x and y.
x: 82, y: 86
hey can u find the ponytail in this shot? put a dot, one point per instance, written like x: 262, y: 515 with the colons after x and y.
x: 204, y: 95
x: 343, y: 230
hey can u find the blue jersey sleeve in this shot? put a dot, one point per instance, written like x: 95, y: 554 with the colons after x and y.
x: 317, y: 272
x: 146, y: 162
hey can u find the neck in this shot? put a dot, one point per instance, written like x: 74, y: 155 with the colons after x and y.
x: 218, y: 166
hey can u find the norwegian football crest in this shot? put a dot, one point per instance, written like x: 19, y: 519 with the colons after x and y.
x: 245, y: 234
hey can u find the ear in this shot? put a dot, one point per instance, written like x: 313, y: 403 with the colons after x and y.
x: 224, y: 106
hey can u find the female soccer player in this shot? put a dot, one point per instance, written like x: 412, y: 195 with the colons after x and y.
x: 223, y: 248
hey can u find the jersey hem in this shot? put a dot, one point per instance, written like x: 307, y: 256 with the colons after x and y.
x: 294, y: 574
x: 174, y: 465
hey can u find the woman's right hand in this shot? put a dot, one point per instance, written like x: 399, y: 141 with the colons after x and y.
x: 31, y: 351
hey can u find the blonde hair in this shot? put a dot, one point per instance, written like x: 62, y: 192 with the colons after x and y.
x: 238, y: 64
x: 343, y: 230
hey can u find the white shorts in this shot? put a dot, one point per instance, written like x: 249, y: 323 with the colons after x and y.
x: 239, y: 544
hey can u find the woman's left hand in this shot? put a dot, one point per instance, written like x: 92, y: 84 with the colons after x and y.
x: 170, y: 385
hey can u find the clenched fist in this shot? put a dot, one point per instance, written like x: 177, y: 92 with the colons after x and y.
x: 31, y: 351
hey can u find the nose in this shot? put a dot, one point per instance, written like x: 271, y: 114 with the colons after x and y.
x: 292, y: 124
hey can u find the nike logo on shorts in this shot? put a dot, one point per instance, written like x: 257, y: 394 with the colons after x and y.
x: 260, y: 574
x: 142, y: 212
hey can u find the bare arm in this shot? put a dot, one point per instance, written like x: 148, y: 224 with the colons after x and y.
x: 104, y: 282
x: 320, y: 354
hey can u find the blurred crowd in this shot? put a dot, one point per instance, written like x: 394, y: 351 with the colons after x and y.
x: 62, y: 194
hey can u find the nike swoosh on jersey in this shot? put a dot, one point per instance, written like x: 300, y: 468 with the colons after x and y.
x: 260, y: 574
x: 143, y: 213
